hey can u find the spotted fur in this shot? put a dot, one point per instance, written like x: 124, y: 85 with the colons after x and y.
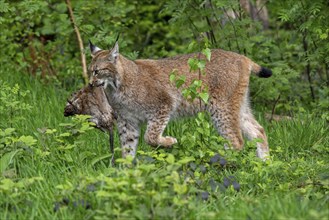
x: 91, y: 101
x: 140, y: 91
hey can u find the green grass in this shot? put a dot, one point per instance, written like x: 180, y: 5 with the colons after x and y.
x: 292, y: 185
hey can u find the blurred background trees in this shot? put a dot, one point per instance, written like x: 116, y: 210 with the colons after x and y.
x: 290, y: 37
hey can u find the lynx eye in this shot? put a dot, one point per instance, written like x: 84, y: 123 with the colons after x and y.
x: 96, y: 72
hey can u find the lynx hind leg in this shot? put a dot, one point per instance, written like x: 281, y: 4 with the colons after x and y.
x: 129, y: 135
x: 226, y: 121
x: 252, y: 129
x: 155, y: 127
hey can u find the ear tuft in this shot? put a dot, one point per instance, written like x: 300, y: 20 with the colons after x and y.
x: 93, y: 49
x: 114, y: 54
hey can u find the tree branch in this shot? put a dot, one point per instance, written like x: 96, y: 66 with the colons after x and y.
x: 77, y: 32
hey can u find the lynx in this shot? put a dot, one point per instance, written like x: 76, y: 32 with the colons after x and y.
x: 140, y: 91
x: 92, y: 101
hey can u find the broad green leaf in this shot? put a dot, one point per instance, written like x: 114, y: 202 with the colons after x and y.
x: 66, y: 186
x: 180, y: 81
x: 197, y: 83
x: 172, y: 77
x: 191, y: 46
x: 323, y: 36
x: 173, y: 74
x: 51, y: 131
x: 7, y: 159
x: 204, y: 96
x: 193, y: 63
x: 170, y: 159
x: 147, y: 167
x: 185, y: 160
x: 9, y: 131
x: 180, y: 188
x: 200, y: 130
x: 102, y: 193
x: 201, y: 64
x: 7, y: 184
x: 66, y: 134
x: 207, y: 53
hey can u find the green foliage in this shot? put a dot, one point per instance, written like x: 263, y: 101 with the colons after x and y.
x: 306, y: 47
x: 195, y: 89
x: 202, y: 138
x: 17, y: 192
x: 12, y: 146
x: 12, y: 104
x: 61, y: 143
x: 165, y: 185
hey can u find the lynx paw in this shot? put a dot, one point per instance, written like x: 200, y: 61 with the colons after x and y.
x: 262, y: 154
x: 226, y: 147
x: 167, y: 141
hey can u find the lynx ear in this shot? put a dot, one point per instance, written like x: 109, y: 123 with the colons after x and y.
x: 114, y: 54
x: 93, y: 49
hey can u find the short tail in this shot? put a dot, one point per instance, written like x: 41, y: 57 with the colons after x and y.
x: 260, y: 71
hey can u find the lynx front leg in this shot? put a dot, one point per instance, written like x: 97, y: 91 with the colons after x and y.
x: 155, y: 127
x: 129, y: 135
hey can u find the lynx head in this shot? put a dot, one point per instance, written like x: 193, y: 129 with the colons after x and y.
x: 91, y: 101
x: 105, y: 67
x: 75, y: 105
